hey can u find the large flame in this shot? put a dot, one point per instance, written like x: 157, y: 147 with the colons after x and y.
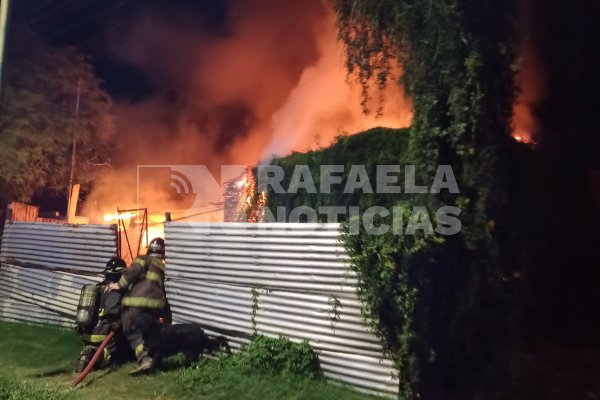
x: 118, y: 216
x: 292, y: 94
x: 276, y: 83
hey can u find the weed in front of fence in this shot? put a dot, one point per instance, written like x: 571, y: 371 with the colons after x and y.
x: 266, y: 368
x: 263, y: 355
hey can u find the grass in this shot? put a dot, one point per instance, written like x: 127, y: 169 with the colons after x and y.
x: 11, y: 389
x: 37, y: 362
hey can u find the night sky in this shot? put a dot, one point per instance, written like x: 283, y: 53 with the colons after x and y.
x: 88, y: 24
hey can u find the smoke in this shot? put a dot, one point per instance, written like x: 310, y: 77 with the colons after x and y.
x: 269, y: 80
x: 324, y: 104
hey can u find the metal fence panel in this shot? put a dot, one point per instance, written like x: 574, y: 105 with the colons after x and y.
x: 73, y: 248
x: 295, y: 275
x: 53, y: 291
x: 297, y: 278
x: 19, y: 311
x: 43, y: 267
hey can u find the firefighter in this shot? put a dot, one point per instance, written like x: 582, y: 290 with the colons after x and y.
x: 106, y: 317
x: 144, y: 293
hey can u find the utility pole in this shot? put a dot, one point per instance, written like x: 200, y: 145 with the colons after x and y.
x: 4, y: 8
x: 70, y: 203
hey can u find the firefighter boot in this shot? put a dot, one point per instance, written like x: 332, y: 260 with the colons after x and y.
x: 144, y: 360
x: 144, y: 367
x: 84, y: 358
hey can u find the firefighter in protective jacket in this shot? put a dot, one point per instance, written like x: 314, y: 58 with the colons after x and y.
x: 105, y: 317
x: 143, y: 285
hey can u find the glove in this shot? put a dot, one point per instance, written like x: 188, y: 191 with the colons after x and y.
x: 116, y: 326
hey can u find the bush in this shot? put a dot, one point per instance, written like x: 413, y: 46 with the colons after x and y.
x: 279, y: 357
x: 263, y: 355
x: 377, y: 146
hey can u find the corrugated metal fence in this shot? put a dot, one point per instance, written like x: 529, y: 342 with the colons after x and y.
x: 276, y: 279
x: 43, y: 267
x: 232, y: 278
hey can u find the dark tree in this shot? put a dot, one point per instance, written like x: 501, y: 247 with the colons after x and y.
x: 444, y: 308
x: 38, y: 121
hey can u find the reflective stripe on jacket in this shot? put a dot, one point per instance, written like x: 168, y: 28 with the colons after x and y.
x: 94, y: 339
x: 145, y: 281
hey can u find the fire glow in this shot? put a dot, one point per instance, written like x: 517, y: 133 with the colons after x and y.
x: 226, y: 115
x: 118, y: 216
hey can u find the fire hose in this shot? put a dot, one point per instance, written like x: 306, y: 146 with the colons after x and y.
x: 93, y: 361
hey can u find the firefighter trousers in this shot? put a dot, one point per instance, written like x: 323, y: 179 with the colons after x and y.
x: 132, y: 330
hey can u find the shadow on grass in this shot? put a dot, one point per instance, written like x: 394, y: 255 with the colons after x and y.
x: 95, y: 376
x: 54, y: 371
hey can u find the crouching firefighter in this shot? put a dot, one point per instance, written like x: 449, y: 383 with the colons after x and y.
x: 98, y: 313
x: 144, y: 288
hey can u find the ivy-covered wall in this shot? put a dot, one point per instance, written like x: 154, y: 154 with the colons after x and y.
x: 442, y: 313
x: 458, y: 59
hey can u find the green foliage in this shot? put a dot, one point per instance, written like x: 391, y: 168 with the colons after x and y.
x: 334, y: 313
x: 378, y: 146
x: 37, y: 122
x: 256, y: 292
x: 457, y: 59
x: 279, y: 356
x: 394, y: 281
x: 263, y: 355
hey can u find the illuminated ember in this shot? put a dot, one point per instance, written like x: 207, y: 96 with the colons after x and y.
x: 118, y: 216
x: 242, y: 182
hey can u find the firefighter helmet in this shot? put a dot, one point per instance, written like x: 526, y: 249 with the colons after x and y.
x: 114, y: 268
x: 156, y: 247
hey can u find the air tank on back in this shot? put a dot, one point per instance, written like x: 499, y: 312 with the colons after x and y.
x: 86, y: 309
